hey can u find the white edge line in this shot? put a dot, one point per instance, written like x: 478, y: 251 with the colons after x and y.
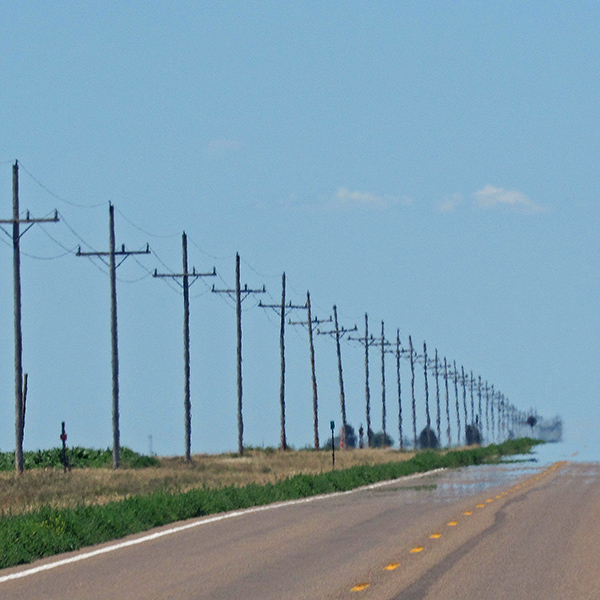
x: 203, y: 521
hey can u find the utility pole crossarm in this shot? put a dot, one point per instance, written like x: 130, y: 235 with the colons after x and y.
x: 28, y: 220
x: 213, y: 273
x: 315, y: 321
x: 121, y: 252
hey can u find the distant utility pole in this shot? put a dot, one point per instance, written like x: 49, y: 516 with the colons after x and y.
x: 240, y: 295
x: 367, y: 341
x: 112, y: 254
x: 310, y: 323
x: 480, y: 413
x: 427, y: 414
x: 283, y: 310
x: 455, y: 378
x: 338, y: 333
x: 463, y: 381
x: 438, y: 419
x: 412, y: 390
x: 492, y: 398
x: 383, y: 407
x: 487, y: 411
x: 399, y: 352
x: 472, y: 382
x: 185, y: 276
x: 448, y: 427
x: 16, y: 238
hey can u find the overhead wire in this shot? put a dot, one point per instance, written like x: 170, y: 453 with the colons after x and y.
x: 55, y: 195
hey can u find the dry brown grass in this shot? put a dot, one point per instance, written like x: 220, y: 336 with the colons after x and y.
x: 50, y: 487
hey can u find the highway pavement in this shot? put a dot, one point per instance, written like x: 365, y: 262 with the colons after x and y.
x: 510, y: 531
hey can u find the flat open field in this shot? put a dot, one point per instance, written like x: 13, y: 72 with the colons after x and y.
x: 52, y: 487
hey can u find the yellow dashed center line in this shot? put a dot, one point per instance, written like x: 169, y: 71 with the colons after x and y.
x: 359, y: 587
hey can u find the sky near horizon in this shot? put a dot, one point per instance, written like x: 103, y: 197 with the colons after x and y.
x: 432, y: 164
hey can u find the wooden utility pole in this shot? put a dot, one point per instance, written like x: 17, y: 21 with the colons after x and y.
x: 472, y: 382
x: 480, y: 413
x: 383, y: 407
x: 427, y: 414
x: 18, y: 333
x: 487, y: 411
x: 448, y: 427
x: 367, y: 341
x: 412, y: 390
x: 455, y: 378
x: 463, y: 381
x: 283, y: 310
x: 399, y: 353
x: 185, y: 277
x: 492, y: 398
x: 338, y: 333
x: 112, y: 254
x: 310, y: 323
x: 240, y: 294
x: 438, y: 419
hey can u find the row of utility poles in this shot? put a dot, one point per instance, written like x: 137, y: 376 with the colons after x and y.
x: 505, y: 412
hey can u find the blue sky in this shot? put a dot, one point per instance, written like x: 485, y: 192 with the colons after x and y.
x: 432, y: 164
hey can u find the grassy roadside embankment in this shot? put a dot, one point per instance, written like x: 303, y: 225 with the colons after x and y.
x: 50, y: 530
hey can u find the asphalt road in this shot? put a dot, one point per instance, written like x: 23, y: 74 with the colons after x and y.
x: 502, y: 532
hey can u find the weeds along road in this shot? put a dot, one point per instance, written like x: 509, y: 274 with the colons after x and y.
x: 503, y: 532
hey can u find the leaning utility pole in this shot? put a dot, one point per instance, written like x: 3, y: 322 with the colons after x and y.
x: 185, y: 277
x: 16, y: 238
x: 239, y: 292
x: 338, y: 333
x: 112, y: 254
x: 310, y: 323
x: 282, y: 309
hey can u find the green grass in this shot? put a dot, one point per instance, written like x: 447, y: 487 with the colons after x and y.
x: 77, y: 458
x: 49, y: 531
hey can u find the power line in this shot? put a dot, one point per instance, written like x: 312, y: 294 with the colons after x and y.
x: 55, y: 195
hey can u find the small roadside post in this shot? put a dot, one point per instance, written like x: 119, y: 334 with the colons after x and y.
x: 63, y: 437
x: 332, y: 425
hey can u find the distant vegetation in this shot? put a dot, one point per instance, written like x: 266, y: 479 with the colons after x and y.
x: 47, y: 531
x: 76, y: 458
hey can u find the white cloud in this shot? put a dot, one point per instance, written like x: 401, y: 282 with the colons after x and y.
x: 491, y: 197
x: 450, y: 203
x: 344, y: 198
